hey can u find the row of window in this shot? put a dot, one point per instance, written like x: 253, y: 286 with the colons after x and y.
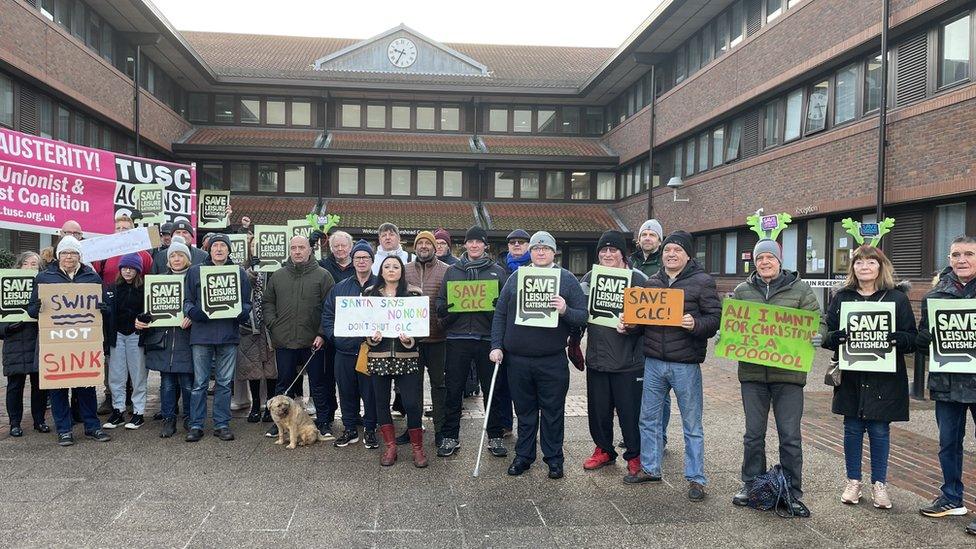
x: 380, y: 181
x: 636, y: 177
x: 544, y: 120
x: 231, y: 109
x: 399, y: 116
x: 248, y: 177
x: 709, y: 149
x: 554, y: 185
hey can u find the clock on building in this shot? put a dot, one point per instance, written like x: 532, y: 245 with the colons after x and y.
x: 402, y: 52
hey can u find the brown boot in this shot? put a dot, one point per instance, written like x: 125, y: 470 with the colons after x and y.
x: 417, y: 442
x: 389, y: 439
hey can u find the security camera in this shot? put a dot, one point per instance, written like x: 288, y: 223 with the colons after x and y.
x: 675, y: 182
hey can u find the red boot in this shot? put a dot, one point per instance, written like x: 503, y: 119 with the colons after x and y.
x: 634, y: 465
x: 389, y: 439
x: 417, y: 442
x: 597, y: 460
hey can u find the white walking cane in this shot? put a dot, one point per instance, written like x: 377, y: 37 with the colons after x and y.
x: 484, y: 429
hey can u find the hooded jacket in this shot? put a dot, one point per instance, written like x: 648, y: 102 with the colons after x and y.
x: 292, y: 303
x: 947, y: 387
x: 473, y: 325
x: 674, y: 343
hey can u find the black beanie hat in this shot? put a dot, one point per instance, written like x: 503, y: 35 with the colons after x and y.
x: 476, y: 233
x: 683, y: 239
x: 614, y: 239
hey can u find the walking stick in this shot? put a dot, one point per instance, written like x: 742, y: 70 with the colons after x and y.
x: 481, y: 439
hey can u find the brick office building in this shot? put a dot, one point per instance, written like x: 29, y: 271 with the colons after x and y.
x: 759, y: 103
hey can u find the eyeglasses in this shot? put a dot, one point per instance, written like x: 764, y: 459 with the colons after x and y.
x: 76, y: 234
x: 958, y: 256
x: 517, y: 242
x: 361, y: 258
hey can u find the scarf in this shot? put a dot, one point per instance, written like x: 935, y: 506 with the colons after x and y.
x: 257, y: 297
x: 514, y: 264
x: 472, y: 266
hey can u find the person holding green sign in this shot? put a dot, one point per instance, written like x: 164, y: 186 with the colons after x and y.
x: 19, y: 364
x: 763, y: 386
x: 870, y: 401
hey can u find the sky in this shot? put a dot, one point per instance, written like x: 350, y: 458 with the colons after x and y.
x: 525, y: 22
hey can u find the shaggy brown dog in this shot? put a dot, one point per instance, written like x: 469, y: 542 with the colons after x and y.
x: 291, y: 418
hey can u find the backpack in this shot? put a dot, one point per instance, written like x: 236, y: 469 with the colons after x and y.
x: 770, y: 489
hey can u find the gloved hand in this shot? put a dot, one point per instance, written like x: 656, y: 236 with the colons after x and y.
x: 900, y: 340
x: 314, y: 238
x: 197, y: 315
x: 575, y: 354
x: 924, y: 339
x: 835, y: 339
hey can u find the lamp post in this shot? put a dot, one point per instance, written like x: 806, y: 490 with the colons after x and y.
x: 138, y: 39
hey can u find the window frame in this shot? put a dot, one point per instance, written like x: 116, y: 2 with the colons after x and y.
x: 940, y: 51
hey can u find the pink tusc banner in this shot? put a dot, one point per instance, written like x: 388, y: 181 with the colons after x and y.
x: 44, y: 183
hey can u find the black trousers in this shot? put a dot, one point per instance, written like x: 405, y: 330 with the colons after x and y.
x: 410, y: 385
x: 460, y: 353
x: 539, y: 386
x: 609, y: 391
x: 15, y: 398
x: 787, y: 403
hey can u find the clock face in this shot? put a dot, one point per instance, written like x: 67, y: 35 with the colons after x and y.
x: 402, y: 52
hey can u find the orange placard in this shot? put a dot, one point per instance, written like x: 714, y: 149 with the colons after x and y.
x: 654, y: 306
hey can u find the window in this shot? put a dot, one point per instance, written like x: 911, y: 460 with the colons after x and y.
x: 452, y: 183
x: 714, y: 253
x: 497, y: 120
x: 718, y: 146
x: 211, y: 176
x: 676, y: 166
x: 690, y: 157
x: 842, y: 246
x: 45, y: 126
x: 722, y: 38
x: 700, y: 247
x: 529, y: 184
x: 348, y: 181
x: 375, y: 179
x: 581, y: 186
x: 522, y: 119
x: 547, y: 120
x: 845, y: 95
x: 950, y: 222
x: 250, y: 111
x: 774, y: 8
x: 578, y: 263
x: 817, y: 107
x: 738, y: 25
x: 816, y: 249
x: 772, y: 134
x: 106, y: 45
x: 426, y: 183
x: 450, y: 118
x: 240, y: 176
x: 301, y: 113
x: 556, y: 185
x: 681, y: 65
x: 794, y: 114
x: 872, y: 84
x: 294, y: 178
x: 400, y: 182
x: 708, y: 44
x: 400, y: 117
x: 375, y: 116
x: 694, y: 55
x: 6, y: 101
x: 731, y: 248
x: 64, y: 124
x: 199, y: 107
x: 789, y: 248
x: 954, y: 51
x: 425, y: 118
x: 605, y: 183
x: 276, y: 111
x: 80, y: 132
x: 267, y: 178
x: 505, y: 184
x: 224, y: 108
x: 350, y: 115
x: 703, y: 152
x: 570, y: 123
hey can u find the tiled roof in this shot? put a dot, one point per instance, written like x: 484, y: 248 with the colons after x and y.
x: 550, y: 217
x: 357, y: 215
x: 266, y: 56
x: 400, y: 142
x: 232, y: 136
x: 543, y: 145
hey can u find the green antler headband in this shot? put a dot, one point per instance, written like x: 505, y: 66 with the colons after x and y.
x: 768, y: 226
x: 860, y: 230
x: 320, y: 220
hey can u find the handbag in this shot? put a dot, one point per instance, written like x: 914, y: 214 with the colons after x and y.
x: 832, y: 377
x: 362, y: 359
x: 772, y: 490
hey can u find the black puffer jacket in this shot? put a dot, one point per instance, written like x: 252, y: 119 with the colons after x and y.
x: 676, y: 344
x: 125, y: 302
x: 19, y: 347
x: 467, y: 325
x: 874, y: 395
x: 606, y: 349
x: 947, y: 387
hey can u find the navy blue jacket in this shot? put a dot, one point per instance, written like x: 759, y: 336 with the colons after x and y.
x: 213, y: 332
x: 338, y: 273
x: 346, y: 288
x: 54, y: 275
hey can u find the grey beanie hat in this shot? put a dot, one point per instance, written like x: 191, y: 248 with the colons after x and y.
x: 542, y: 238
x: 178, y: 246
x: 652, y: 225
x: 767, y: 246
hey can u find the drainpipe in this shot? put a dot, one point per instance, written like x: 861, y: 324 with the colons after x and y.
x: 883, y: 112
x: 650, y: 147
x: 138, y: 39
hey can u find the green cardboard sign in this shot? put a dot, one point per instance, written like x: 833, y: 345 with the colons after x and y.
x: 469, y: 296
x: 606, y: 295
x: 16, y: 286
x: 770, y: 335
x: 536, y: 288
x: 220, y: 291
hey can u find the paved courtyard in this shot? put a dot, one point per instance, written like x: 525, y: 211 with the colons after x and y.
x: 143, y: 491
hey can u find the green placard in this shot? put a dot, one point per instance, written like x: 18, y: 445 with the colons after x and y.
x: 271, y: 246
x: 770, y: 335
x: 953, y: 347
x: 868, y: 347
x: 164, y: 299
x: 238, y: 248
x: 150, y: 201
x: 606, y: 300
x: 536, y: 288
x: 220, y: 291
x: 470, y: 296
x: 212, y: 206
x: 301, y: 227
x: 15, y: 291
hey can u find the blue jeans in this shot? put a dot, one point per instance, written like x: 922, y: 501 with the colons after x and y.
x: 879, y: 436
x: 61, y: 409
x: 685, y: 379
x: 170, y: 388
x: 951, y: 418
x: 224, y: 359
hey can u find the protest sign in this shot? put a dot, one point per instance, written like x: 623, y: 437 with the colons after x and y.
x: 868, y: 347
x: 220, y: 291
x: 271, y: 246
x: 606, y: 300
x: 70, y: 336
x: 534, y: 292
x: 654, y: 306
x: 213, y: 209
x: 238, y: 248
x: 770, y: 335
x: 300, y: 227
x: 164, y: 299
x: 48, y: 182
x: 953, y: 347
x: 126, y: 242
x: 149, y: 202
x: 16, y: 286
x: 392, y: 316
x: 466, y: 296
